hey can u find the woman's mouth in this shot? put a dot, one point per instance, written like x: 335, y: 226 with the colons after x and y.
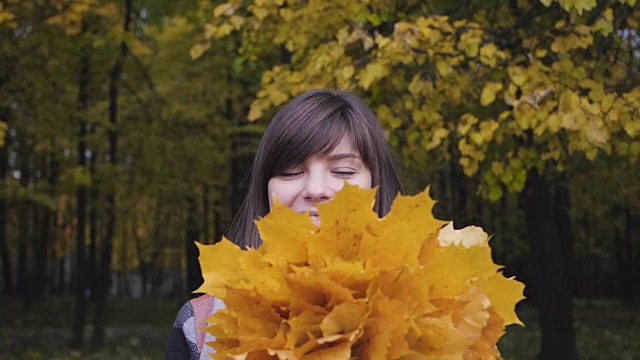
x: 315, y: 218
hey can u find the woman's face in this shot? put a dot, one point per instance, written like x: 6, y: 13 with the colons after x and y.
x: 318, y: 179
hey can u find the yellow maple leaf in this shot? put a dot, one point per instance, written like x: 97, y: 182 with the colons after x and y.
x: 489, y: 92
x: 304, y: 327
x: 343, y: 220
x: 372, y: 73
x: 219, y: 266
x: 403, y: 286
x: 501, y: 291
x: 285, y: 223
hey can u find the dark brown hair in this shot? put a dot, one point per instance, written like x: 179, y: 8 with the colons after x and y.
x: 315, y: 123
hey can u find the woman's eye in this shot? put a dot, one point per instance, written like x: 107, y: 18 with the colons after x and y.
x: 344, y: 173
x: 290, y: 174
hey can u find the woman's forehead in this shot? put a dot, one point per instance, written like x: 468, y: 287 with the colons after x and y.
x: 344, y: 147
x: 342, y: 151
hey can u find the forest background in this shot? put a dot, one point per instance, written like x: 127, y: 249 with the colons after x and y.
x: 128, y: 127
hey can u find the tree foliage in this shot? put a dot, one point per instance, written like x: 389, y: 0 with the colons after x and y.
x: 174, y: 120
x: 510, y: 85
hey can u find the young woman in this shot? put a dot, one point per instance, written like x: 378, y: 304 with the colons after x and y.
x: 314, y: 144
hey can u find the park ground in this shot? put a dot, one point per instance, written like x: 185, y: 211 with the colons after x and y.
x: 139, y: 329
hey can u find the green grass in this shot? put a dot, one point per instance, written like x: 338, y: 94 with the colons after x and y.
x: 605, y: 329
x: 138, y: 329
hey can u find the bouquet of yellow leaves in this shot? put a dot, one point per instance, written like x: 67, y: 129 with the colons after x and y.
x: 401, y: 287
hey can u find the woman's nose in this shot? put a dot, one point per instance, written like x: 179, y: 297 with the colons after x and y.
x: 318, y: 189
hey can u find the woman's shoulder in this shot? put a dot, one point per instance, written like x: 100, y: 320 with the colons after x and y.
x: 192, y: 320
x: 204, y: 305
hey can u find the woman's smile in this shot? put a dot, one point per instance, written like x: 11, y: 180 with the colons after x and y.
x: 315, y: 217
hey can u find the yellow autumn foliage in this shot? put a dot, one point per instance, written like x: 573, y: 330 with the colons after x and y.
x: 404, y: 286
x: 563, y: 84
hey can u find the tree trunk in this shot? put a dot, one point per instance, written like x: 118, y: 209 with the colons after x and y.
x: 206, y: 235
x: 624, y: 256
x: 159, y: 277
x: 549, y: 230
x: 56, y: 275
x: 143, y: 265
x: 107, y: 246
x: 144, y: 278
x: 636, y: 287
x: 50, y: 233
x: 217, y: 226
x: 52, y: 180
x: 23, y: 266
x: 25, y: 226
x: 93, y: 228
x: 448, y: 188
x: 194, y: 275
x: 41, y: 249
x: 7, y: 275
x: 80, y: 312
x: 244, y: 143
x: 5, y: 256
x: 40, y: 233
x: 632, y: 228
x: 123, y: 282
x: 635, y: 258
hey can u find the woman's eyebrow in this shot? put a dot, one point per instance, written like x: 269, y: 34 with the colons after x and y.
x: 340, y: 156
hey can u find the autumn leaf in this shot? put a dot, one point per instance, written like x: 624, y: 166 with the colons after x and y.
x: 359, y: 286
x: 198, y: 49
x: 489, y: 93
x: 371, y: 73
x: 467, y: 237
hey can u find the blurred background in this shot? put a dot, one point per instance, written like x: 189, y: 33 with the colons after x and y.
x: 128, y: 128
